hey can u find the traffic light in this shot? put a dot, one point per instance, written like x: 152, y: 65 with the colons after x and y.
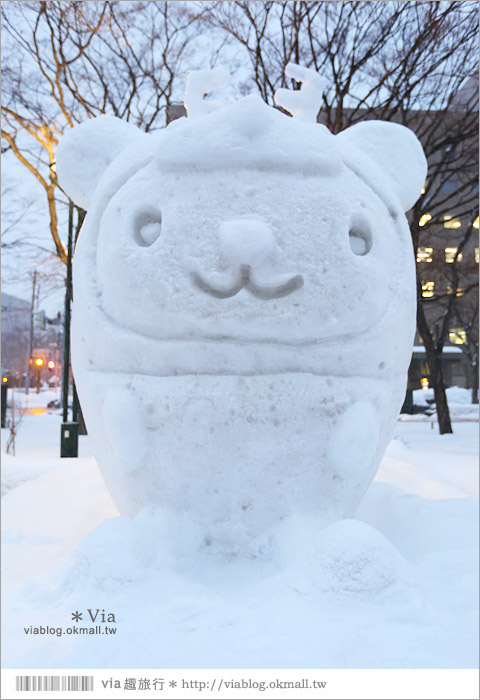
x: 51, y: 365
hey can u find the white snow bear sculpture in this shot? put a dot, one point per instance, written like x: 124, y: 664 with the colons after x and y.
x: 244, y: 306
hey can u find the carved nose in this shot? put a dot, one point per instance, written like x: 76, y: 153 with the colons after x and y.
x: 244, y: 245
x: 245, y: 242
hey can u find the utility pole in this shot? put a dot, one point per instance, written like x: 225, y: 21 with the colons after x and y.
x: 30, y: 345
x: 69, y: 430
x: 66, y: 319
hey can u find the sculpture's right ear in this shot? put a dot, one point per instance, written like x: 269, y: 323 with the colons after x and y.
x: 85, y: 152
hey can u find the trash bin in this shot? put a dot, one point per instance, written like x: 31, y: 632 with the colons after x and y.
x: 69, y: 440
x: 408, y: 402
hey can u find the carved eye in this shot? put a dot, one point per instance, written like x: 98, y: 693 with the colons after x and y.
x: 360, y: 236
x: 148, y: 226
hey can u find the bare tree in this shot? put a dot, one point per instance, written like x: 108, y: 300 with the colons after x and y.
x: 67, y: 62
x: 445, y: 221
x: 468, y: 321
x: 397, y: 61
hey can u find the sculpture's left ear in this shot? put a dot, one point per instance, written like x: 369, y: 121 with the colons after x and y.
x: 396, y: 150
x: 85, y: 152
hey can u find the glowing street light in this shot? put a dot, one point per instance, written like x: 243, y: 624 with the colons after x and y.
x: 39, y: 364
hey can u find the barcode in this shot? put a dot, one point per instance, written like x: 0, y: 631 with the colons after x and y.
x: 52, y: 683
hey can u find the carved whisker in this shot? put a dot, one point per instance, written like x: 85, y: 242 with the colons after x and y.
x: 245, y: 282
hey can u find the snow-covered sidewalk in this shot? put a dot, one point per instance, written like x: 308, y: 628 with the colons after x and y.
x: 394, y: 588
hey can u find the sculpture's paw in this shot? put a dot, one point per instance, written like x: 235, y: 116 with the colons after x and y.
x: 125, y: 429
x: 356, y: 559
x: 354, y: 439
x: 347, y: 558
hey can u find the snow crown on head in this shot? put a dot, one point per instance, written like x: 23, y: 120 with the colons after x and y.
x: 249, y: 134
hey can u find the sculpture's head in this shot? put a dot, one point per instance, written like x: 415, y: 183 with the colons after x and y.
x: 245, y: 224
x: 242, y: 242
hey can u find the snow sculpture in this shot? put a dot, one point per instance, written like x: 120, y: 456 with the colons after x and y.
x: 244, y: 306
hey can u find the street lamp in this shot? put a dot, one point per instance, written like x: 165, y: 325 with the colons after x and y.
x: 38, y: 364
x: 70, y: 429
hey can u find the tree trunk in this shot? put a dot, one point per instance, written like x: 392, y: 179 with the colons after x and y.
x: 434, y: 361
x: 443, y: 412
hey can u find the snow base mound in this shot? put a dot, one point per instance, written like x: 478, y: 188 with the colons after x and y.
x: 347, y: 558
x: 356, y: 559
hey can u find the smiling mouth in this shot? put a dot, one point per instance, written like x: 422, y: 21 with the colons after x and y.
x: 245, y: 281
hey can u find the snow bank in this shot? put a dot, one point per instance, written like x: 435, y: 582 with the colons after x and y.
x: 459, y: 402
x: 395, y: 586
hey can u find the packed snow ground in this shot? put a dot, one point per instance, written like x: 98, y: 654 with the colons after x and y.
x: 394, y: 588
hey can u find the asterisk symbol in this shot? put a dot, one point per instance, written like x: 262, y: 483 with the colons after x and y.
x: 173, y: 684
x: 76, y: 616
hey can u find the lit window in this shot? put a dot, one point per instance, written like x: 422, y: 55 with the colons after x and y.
x: 428, y: 289
x: 475, y: 223
x: 424, y: 254
x: 424, y: 219
x: 450, y: 222
x: 450, y: 254
x: 457, y: 336
x: 424, y: 382
x: 424, y: 188
x: 476, y: 255
x: 458, y: 292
